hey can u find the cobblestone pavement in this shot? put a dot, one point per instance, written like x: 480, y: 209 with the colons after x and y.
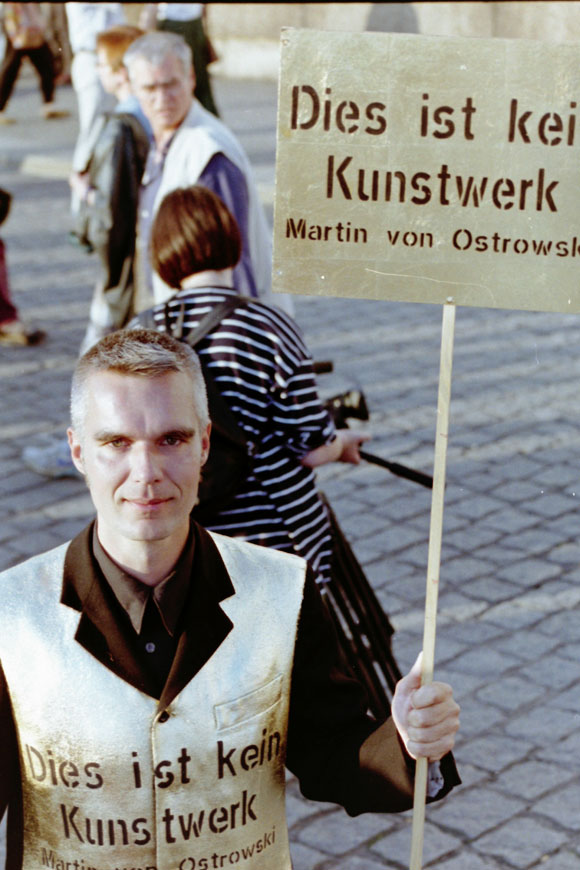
x: 508, y: 632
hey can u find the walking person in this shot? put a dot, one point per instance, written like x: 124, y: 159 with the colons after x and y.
x: 25, y: 31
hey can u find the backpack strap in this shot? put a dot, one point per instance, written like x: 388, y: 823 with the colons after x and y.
x: 212, y: 319
x: 206, y: 325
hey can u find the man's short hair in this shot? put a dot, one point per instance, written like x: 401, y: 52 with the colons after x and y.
x: 142, y: 352
x: 193, y: 231
x: 115, y: 41
x: 156, y: 47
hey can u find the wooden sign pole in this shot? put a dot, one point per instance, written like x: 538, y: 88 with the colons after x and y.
x: 433, y: 563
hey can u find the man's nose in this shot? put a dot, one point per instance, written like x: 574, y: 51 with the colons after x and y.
x: 145, y: 464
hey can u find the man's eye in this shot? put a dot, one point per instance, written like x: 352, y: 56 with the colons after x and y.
x: 117, y: 443
x: 173, y: 439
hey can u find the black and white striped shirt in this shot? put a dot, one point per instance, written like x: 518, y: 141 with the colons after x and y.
x: 259, y: 362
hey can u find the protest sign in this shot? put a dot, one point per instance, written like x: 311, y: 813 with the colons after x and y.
x: 423, y: 169
x: 428, y: 169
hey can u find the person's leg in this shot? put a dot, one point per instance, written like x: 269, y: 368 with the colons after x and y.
x: 91, y: 100
x: 8, y: 73
x: 8, y: 311
x: 42, y: 60
x: 12, y: 330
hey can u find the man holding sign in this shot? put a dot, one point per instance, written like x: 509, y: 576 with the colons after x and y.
x: 156, y: 678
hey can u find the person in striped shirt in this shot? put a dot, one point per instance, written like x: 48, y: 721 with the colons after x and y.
x: 262, y: 368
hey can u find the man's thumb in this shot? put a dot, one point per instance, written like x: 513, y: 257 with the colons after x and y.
x: 414, y: 675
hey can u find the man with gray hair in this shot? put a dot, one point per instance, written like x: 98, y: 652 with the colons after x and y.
x: 192, y: 146
x: 155, y: 678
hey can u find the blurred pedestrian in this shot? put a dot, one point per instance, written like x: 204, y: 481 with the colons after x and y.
x: 192, y: 146
x: 85, y: 20
x: 109, y: 189
x: 12, y: 331
x: 189, y: 21
x: 25, y: 30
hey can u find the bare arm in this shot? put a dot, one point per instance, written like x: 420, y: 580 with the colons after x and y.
x: 344, y: 448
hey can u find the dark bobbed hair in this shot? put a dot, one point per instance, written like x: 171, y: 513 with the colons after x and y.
x: 193, y: 231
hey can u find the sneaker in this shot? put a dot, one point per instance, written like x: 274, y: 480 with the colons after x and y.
x: 51, y: 460
x: 16, y: 334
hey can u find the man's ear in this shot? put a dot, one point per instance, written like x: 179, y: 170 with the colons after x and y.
x: 75, y: 450
x: 205, y: 437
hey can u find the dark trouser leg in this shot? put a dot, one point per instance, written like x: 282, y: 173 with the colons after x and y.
x: 42, y: 60
x: 194, y: 34
x: 8, y: 73
x: 8, y: 310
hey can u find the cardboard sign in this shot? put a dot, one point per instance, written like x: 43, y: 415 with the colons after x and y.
x: 428, y: 169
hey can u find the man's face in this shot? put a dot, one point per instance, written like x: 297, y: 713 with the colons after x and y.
x: 141, y: 451
x: 164, y: 92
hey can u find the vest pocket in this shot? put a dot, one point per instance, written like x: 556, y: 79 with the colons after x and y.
x: 230, y: 714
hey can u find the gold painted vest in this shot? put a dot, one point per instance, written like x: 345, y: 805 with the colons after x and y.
x: 107, y: 783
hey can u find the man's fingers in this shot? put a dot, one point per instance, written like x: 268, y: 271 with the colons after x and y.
x: 434, y: 693
x: 432, y: 750
x: 427, y: 717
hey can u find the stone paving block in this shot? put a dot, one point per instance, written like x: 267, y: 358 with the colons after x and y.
x: 554, y: 673
x: 356, y: 862
x: 500, y: 553
x: 396, y: 847
x: 521, y: 842
x: 513, y: 616
x: 475, y: 719
x: 532, y: 778
x: 544, y: 723
x: 471, y: 813
x: 30, y: 545
x: 557, y: 475
x: 569, y: 700
x: 467, y: 859
x: 340, y: 834
x: 570, y: 652
x: 535, y: 541
x: 298, y: 809
x: 562, y: 859
x: 487, y: 588
x: 519, y: 468
x: 558, y: 625
x: 463, y: 567
x: 510, y: 520
x: 471, y: 538
x: 568, y: 749
x: 387, y: 572
x: 486, y: 663
x: 510, y: 694
x: 305, y: 858
x: 474, y: 633
x: 565, y: 554
x: 516, y: 491
x: 447, y: 650
x: 496, y: 751
x: 398, y: 509
x: 392, y: 604
x: 416, y: 556
x: 478, y: 506
x: 552, y: 505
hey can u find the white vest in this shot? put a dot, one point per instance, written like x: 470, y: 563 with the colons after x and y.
x: 106, y: 782
x: 198, y: 139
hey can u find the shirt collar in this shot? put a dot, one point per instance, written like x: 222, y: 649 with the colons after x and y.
x: 168, y: 596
